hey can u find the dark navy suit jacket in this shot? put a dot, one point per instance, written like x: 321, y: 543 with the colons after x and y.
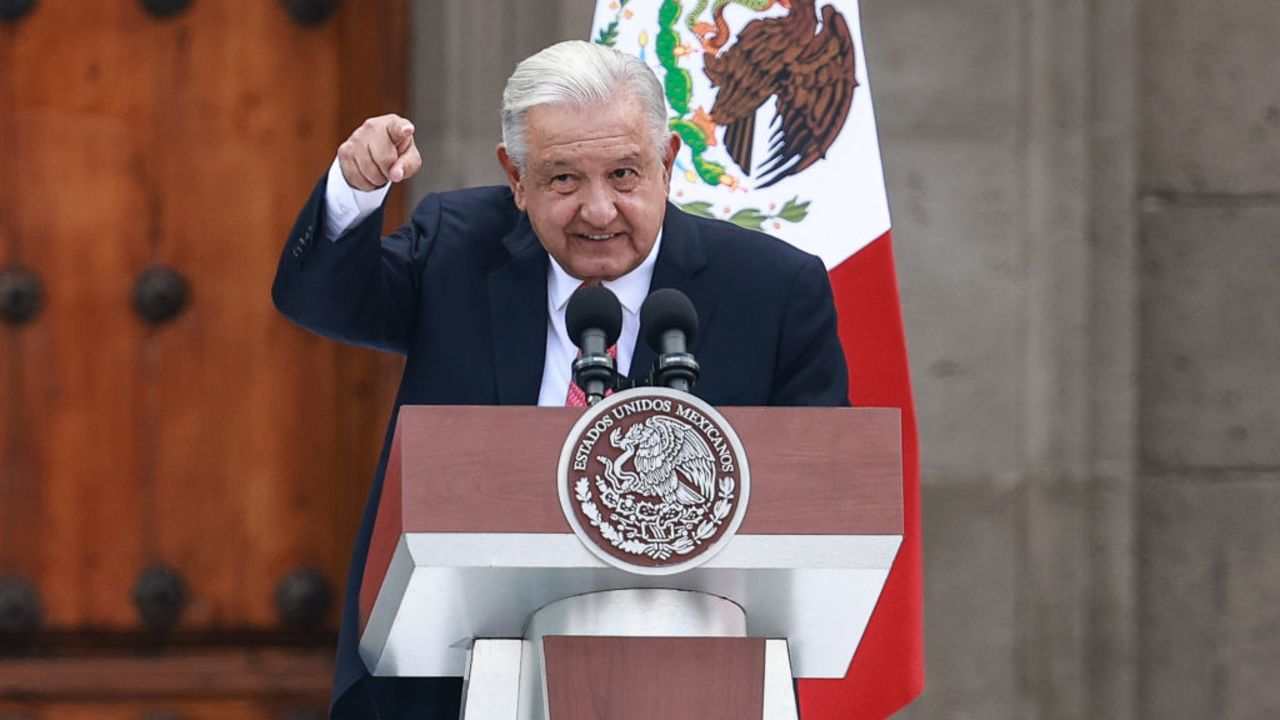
x: 461, y: 292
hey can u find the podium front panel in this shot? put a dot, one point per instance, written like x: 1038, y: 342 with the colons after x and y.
x: 470, y: 539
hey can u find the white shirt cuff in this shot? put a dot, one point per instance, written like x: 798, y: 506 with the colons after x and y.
x: 345, y: 206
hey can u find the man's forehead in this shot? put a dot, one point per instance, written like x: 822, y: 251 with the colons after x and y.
x: 588, y: 143
x: 566, y: 135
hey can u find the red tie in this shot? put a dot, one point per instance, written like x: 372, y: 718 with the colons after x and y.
x: 576, y: 396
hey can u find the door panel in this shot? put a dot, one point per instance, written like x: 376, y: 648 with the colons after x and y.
x: 222, y: 444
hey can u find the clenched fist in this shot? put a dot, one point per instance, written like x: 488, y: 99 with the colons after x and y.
x: 381, y: 149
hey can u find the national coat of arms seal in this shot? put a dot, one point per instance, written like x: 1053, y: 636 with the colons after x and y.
x: 653, y: 481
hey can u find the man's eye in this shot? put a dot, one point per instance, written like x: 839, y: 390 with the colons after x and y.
x: 623, y: 173
x: 563, y: 183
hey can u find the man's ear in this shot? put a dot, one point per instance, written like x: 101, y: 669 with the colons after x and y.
x: 669, y: 160
x: 513, y: 175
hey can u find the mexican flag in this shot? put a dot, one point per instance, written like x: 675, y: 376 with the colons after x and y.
x: 773, y: 103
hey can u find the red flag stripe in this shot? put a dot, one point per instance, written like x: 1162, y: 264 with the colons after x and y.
x: 888, y: 670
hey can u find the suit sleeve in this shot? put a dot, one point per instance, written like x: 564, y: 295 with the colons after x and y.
x: 362, y: 290
x: 811, y: 368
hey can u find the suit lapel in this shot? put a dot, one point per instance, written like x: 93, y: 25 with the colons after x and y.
x: 680, y: 259
x: 518, y: 316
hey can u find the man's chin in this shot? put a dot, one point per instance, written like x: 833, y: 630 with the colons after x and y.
x: 601, y: 268
x: 598, y: 273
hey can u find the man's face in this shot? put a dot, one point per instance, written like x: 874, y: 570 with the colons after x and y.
x: 594, y: 186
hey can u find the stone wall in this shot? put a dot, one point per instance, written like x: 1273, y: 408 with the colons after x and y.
x: 1209, y: 370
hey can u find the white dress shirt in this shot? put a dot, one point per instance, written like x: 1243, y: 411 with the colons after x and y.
x: 631, y: 290
x: 346, y: 207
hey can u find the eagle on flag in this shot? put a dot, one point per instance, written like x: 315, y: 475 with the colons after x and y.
x: 811, y: 73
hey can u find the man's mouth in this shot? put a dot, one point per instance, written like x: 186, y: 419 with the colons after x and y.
x: 599, y: 236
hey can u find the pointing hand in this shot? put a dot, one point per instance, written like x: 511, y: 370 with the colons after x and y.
x: 380, y: 150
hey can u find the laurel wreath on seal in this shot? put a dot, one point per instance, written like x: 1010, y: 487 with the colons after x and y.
x: 658, y: 550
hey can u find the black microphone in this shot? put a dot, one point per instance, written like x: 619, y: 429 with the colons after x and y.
x: 594, y: 320
x: 669, y: 324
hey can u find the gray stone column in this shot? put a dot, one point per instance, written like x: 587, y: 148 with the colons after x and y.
x: 1111, y: 530
x: 1008, y: 133
x: 1209, y: 368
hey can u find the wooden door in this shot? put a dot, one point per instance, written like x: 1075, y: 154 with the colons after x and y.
x: 181, y: 469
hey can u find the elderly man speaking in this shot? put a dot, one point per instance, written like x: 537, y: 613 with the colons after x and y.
x: 473, y: 289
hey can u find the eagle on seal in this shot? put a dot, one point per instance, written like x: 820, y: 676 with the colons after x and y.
x: 671, y: 460
x: 812, y: 73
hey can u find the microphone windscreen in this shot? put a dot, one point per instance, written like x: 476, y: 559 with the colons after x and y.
x: 667, y: 309
x: 594, y: 306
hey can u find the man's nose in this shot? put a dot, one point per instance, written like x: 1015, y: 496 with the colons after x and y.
x: 598, y: 207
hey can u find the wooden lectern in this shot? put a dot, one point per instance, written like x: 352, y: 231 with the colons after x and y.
x: 474, y: 571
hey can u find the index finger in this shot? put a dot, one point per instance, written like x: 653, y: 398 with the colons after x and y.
x: 401, y: 135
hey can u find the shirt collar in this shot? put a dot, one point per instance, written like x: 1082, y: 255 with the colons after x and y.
x: 631, y: 288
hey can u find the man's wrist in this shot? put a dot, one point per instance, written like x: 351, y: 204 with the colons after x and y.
x: 345, y: 206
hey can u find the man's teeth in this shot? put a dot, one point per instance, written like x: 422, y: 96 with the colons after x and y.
x: 606, y: 236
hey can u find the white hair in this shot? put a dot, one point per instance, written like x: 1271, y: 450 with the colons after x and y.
x: 578, y: 73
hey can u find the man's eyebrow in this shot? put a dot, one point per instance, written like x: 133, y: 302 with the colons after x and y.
x: 547, y: 165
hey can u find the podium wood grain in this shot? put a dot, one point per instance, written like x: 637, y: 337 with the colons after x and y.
x: 814, y: 471
x: 640, y: 678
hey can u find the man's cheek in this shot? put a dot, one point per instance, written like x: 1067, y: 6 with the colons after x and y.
x: 560, y: 211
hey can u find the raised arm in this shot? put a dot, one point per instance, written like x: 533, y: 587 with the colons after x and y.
x: 337, y: 276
